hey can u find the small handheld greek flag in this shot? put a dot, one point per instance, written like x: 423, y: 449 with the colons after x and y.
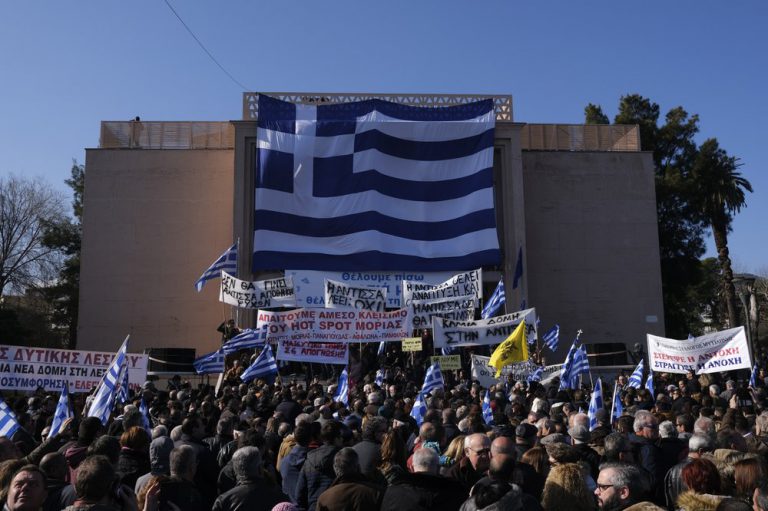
x: 210, y: 363
x: 487, y: 410
x: 618, y: 406
x: 595, y: 404
x: 382, y: 348
x: 495, y: 302
x: 226, y: 262
x: 649, y: 384
x: 247, y: 339
x: 379, y: 377
x: 433, y: 380
x: 265, y: 366
x: 537, y: 374
x: 636, y: 379
x: 8, y: 422
x: 104, y: 399
x: 419, y: 409
x: 552, y: 338
x: 566, y: 373
x: 62, y: 412
x: 753, y: 377
x: 145, y: 416
x: 342, y: 391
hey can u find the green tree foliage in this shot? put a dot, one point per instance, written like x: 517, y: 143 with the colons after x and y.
x: 65, y: 236
x: 593, y: 114
x: 721, y: 192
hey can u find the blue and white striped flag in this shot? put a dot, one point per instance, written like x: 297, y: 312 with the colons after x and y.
x: 123, y: 390
x: 566, y: 373
x: 753, y: 377
x: 537, y: 374
x: 487, y: 410
x: 63, y: 412
x: 342, y: 390
x: 618, y: 406
x: 210, y: 363
x: 374, y: 185
x: 495, y: 302
x: 419, y: 409
x: 8, y: 422
x: 226, y: 262
x: 595, y: 404
x: 581, y: 361
x: 636, y: 379
x: 649, y: 384
x: 145, y: 416
x: 265, y: 366
x: 382, y: 348
x: 433, y: 380
x: 379, y: 377
x: 247, y: 339
x: 552, y: 338
x: 104, y: 399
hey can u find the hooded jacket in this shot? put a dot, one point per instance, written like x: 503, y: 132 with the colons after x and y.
x: 316, y: 476
x: 692, y: 501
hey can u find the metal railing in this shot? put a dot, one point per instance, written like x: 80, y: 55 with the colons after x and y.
x: 166, y: 135
x: 502, y: 104
x: 580, y: 137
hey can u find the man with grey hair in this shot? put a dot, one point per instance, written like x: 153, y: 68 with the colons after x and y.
x: 350, y: 491
x: 159, y: 461
x: 477, y: 450
x: 424, y: 488
x: 181, y: 489
x: 621, y: 486
x: 580, y: 440
x: 253, y: 490
x: 705, y: 426
x: 699, y: 446
x: 617, y: 449
x: 647, y: 452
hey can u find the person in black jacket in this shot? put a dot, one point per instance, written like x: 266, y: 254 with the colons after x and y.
x: 369, y: 449
x: 424, y: 489
x: 192, y: 433
x: 253, y: 492
x: 317, y: 473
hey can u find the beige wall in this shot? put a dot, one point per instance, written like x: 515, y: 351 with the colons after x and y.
x: 153, y: 221
x: 592, y: 245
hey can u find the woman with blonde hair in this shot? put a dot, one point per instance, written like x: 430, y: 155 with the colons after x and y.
x: 452, y: 454
x: 566, y: 490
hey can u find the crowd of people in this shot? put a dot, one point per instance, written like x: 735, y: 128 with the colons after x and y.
x: 699, y: 444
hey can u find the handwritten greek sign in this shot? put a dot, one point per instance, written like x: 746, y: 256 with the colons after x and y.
x: 460, y: 308
x: 262, y: 294
x: 340, y: 295
x: 333, y: 325
x: 308, y: 351
x: 412, y: 344
x: 448, y: 362
x: 461, y: 284
x: 711, y: 353
x: 452, y: 333
x: 26, y: 369
x: 310, y: 291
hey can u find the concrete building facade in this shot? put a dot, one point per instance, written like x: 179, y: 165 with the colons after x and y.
x: 164, y: 199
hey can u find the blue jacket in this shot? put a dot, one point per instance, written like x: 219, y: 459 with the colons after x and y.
x: 316, y: 476
x: 290, y: 467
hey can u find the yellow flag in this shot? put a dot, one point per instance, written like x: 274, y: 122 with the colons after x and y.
x: 513, y: 349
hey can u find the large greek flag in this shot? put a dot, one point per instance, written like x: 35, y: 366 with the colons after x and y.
x: 247, y: 339
x: 104, y: 400
x: 374, y: 185
x: 265, y: 366
x: 226, y: 262
x: 210, y: 363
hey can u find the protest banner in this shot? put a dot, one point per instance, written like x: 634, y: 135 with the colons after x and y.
x: 411, y: 344
x: 727, y: 350
x: 310, y: 291
x: 448, y: 362
x: 333, y: 325
x: 25, y: 369
x: 452, y: 333
x: 260, y: 294
x: 340, y: 295
x: 308, y: 351
x: 461, y: 284
x: 460, y: 308
x: 484, y: 373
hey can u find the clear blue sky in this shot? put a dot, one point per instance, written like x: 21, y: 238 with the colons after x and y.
x: 68, y: 65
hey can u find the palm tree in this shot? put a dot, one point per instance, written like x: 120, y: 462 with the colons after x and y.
x: 720, y: 192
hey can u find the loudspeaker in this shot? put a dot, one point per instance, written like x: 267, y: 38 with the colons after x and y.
x: 170, y: 360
